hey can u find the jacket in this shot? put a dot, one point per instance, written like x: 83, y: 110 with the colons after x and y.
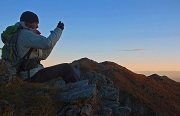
x: 43, y: 46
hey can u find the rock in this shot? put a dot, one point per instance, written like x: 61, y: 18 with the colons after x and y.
x: 70, y: 86
x: 104, y: 112
x: 109, y: 82
x: 122, y: 111
x: 70, y: 113
x: 2, y: 78
x: 108, y: 104
x: 59, y: 83
x: 69, y: 110
x: 6, y: 102
x: 40, y: 92
x: 79, y: 94
x: 94, y: 78
x: 11, y: 71
x: 8, y: 71
x: 108, y: 93
x: 86, y: 110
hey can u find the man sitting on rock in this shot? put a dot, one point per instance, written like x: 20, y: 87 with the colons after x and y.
x: 29, y: 38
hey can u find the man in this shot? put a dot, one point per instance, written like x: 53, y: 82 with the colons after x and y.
x: 29, y: 38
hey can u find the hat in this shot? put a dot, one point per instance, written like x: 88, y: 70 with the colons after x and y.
x: 29, y: 17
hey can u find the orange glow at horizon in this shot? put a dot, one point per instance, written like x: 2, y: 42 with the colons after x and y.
x: 135, y: 66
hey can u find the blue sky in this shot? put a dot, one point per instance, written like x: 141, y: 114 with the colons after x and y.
x: 141, y: 35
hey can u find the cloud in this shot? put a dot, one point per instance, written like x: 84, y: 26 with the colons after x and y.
x: 136, y: 49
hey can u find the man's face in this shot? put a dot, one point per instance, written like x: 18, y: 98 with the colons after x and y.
x: 33, y: 25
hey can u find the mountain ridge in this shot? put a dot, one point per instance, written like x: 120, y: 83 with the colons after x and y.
x: 159, y: 92
x: 175, y: 75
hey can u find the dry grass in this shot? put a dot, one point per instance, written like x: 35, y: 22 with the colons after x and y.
x: 28, y: 99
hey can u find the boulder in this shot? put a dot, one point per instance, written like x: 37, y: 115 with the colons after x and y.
x: 78, y: 94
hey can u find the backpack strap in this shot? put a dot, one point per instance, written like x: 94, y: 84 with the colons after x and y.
x: 28, y: 53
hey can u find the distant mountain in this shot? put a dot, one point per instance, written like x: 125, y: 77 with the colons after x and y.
x: 145, y: 95
x: 175, y: 75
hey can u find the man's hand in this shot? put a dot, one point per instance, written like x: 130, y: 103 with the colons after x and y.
x: 60, y: 25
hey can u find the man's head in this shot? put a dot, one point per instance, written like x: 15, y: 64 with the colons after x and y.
x: 30, y: 18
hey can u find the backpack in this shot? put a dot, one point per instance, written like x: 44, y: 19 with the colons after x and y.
x: 9, y: 38
x: 9, y: 51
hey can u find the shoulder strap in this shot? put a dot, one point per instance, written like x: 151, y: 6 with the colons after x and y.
x: 28, y: 53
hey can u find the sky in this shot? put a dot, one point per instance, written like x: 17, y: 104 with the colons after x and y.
x: 141, y: 35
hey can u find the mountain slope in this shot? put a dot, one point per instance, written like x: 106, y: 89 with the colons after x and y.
x: 144, y: 95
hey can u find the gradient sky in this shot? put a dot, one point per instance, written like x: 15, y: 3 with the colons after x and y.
x: 141, y: 35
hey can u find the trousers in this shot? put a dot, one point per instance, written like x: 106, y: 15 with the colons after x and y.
x: 61, y: 70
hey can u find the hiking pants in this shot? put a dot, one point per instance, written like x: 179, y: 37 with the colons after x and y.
x: 61, y: 70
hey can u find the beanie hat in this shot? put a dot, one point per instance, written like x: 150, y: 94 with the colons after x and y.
x: 29, y: 17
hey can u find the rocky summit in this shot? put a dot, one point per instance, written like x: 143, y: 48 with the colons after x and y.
x: 104, y: 89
